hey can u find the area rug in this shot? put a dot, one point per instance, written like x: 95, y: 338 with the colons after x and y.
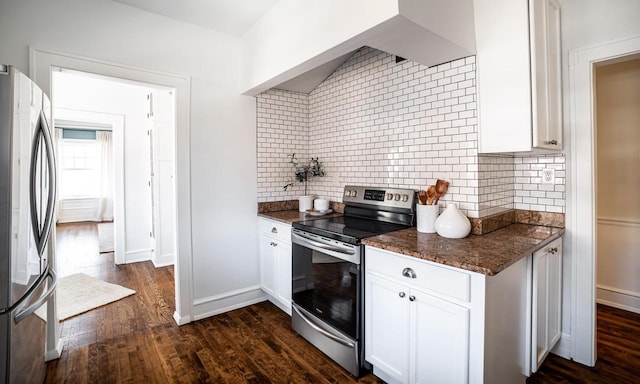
x: 105, y: 237
x: 80, y: 293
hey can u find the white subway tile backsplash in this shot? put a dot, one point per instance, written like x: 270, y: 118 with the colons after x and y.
x: 377, y: 122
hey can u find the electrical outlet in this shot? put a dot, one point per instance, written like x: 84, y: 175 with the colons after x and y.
x: 548, y: 176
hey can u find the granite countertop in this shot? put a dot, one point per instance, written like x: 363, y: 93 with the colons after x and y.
x: 487, y: 254
x: 290, y: 216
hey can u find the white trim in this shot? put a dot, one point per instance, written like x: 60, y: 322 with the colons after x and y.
x: 582, y: 226
x: 137, y: 255
x: 618, y: 290
x: 228, y: 301
x: 41, y: 62
x: 615, y: 304
x: 616, y: 222
x: 55, y: 353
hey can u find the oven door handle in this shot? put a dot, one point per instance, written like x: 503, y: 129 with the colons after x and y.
x: 322, y: 245
x: 351, y: 255
x: 333, y: 337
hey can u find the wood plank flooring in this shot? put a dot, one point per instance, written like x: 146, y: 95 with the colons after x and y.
x: 135, y: 340
x: 618, y: 354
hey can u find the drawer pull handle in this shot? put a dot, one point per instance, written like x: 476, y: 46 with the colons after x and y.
x: 553, y: 250
x: 401, y: 294
x: 412, y: 298
x: 552, y: 142
x: 408, y: 272
x: 274, y: 244
x: 274, y: 230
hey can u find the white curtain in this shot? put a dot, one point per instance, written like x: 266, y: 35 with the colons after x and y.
x: 105, y: 171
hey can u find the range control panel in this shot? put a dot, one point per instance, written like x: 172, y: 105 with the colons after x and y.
x: 379, y: 196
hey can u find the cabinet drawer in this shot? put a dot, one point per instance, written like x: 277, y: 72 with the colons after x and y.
x: 429, y: 276
x: 275, y: 229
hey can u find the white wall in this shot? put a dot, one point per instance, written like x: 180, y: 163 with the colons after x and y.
x: 222, y: 128
x: 74, y: 91
x: 586, y: 23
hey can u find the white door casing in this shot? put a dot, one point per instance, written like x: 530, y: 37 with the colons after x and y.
x: 582, y: 224
x: 41, y: 62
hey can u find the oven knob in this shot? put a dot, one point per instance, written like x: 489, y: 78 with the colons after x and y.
x: 354, y: 193
x: 396, y: 197
x: 389, y: 196
x: 347, y: 193
x: 405, y: 198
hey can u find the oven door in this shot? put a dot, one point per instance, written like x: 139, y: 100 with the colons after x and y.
x: 326, y: 280
x: 326, y: 296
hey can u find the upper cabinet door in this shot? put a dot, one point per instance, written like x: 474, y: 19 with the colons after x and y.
x: 545, y: 73
x: 518, y: 75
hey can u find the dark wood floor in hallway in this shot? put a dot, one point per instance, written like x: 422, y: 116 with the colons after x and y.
x: 136, y: 340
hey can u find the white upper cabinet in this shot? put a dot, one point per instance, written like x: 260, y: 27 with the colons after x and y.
x: 519, y: 75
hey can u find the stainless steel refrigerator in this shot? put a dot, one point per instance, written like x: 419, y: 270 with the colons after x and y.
x: 27, y: 199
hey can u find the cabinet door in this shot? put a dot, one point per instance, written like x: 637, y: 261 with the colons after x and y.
x: 387, y: 329
x: 545, y: 73
x: 267, y: 264
x: 283, y: 274
x: 546, y: 301
x: 439, y: 340
x: 503, y: 75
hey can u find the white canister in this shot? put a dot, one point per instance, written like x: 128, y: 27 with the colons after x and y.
x: 452, y: 223
x: 426, y: 220
x: 321, y: 204
x: 305, y: 203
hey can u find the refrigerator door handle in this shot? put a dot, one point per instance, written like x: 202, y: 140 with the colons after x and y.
x: 41, y: 234
x: 38, y: 303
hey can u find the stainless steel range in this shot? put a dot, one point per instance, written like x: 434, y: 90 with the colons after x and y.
x: 327, y: 265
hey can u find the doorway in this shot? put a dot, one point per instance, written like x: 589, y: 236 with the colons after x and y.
x: 617, y: 143
x: 581, y: 207
x: 117, y: 179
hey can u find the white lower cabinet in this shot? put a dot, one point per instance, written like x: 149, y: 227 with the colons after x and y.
x: 546, y: 301
x: 275, y: 262
x: 430, y: 323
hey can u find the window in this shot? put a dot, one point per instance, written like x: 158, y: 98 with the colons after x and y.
x: 79, y: 170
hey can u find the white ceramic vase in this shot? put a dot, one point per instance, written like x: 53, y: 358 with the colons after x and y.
x: 305, y: 202
x: 426, y: 220
x: 452, y: 223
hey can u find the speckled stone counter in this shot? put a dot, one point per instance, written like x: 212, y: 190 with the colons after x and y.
x: 487, y: 254
x: 290, y: 216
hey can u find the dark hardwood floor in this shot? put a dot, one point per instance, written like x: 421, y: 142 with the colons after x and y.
x: 618, y: 354
x: 135, y: 340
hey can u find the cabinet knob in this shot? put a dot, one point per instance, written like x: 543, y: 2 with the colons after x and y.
x: 401, y: 294
x: 412, y: 298
x: 408, y: 272
x: 274, y: 244
x: 553, y: 250
x: 274, y: 230
x: 552, y: 142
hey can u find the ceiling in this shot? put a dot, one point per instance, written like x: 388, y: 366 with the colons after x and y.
x: 233, y: 17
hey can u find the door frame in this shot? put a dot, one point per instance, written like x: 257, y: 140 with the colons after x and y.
x: 582, y: 226
x: 41, y: 63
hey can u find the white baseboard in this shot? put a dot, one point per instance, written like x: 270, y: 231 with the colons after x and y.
x: 618, y: 298
x: 162, y: 264
x: 54, y: 353
x: 228, y: 301
x: 181, y: 320
x: 137, y: 256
